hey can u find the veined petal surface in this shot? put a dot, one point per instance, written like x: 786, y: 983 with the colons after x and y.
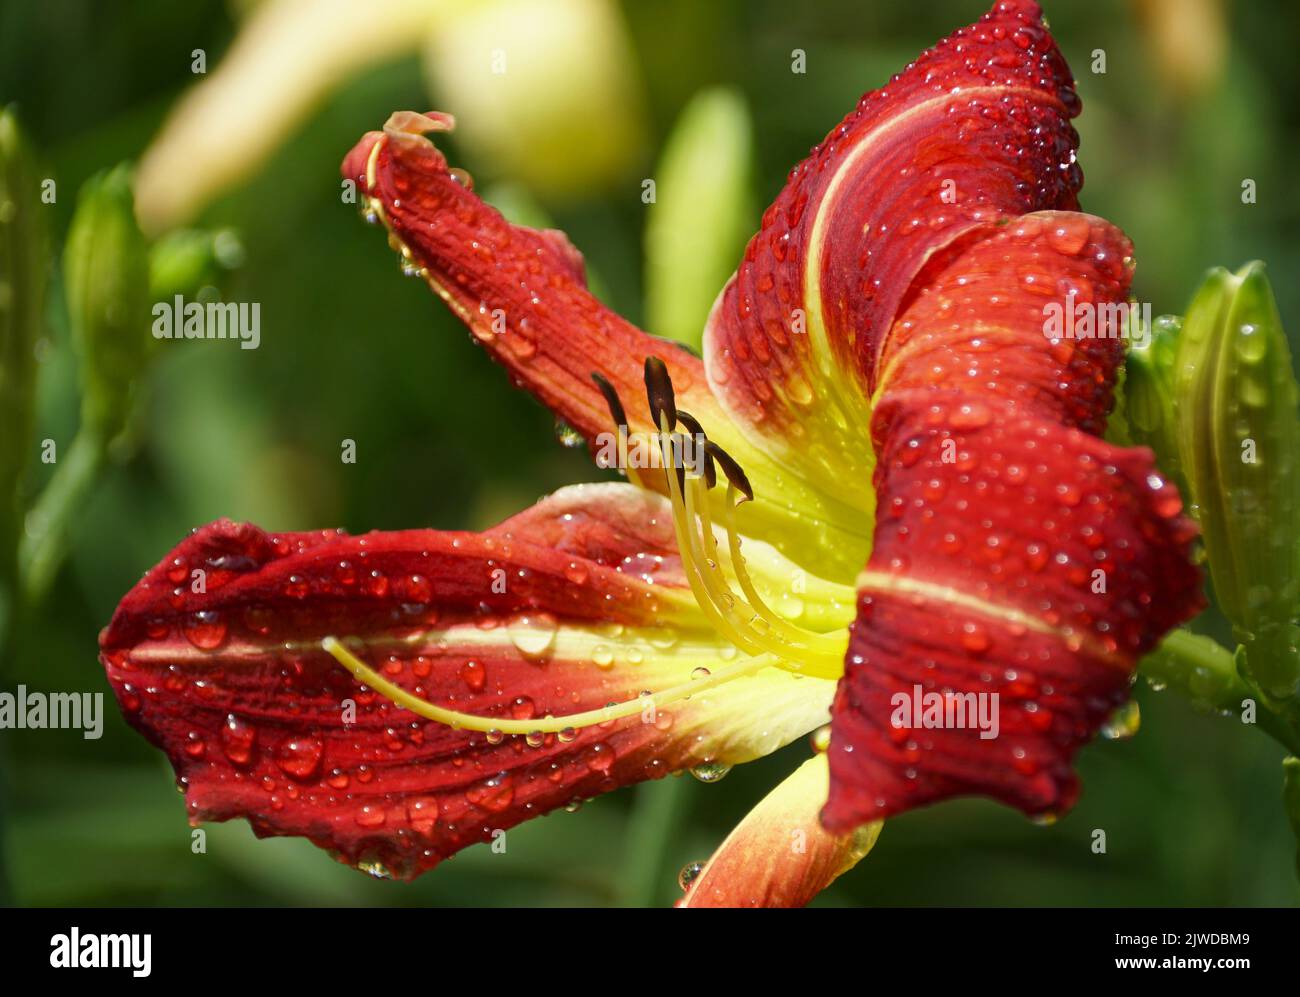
x: 566, y: 609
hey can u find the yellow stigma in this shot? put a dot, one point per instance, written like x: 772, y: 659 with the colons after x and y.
x: 766, y: 638
x: 545, y: 725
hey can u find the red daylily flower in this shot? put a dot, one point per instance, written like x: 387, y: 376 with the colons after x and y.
x: 876, y: 374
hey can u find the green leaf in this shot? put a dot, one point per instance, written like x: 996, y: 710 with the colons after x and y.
x: 701, y: 216
x: 22, y: 305
x: 1238, y: 443
x: 106, y: 271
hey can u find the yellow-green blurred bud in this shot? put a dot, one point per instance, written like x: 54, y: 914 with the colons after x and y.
x: 106, y: 272
x: 1238, y: 443
x: 702, y: 214
x: 544, y: 91
x: 185, y: 260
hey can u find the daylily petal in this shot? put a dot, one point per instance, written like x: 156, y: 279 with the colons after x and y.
x: 523, y: 295
x: 975, y: 130
x: 521, y: 292
x: 259, y: 721
x: 979, y: 320
x: 1018, y: 559
x: 780, y: 855
x: 285, y: 59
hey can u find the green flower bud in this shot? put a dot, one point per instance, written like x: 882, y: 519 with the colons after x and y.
x: 1238, y: 443
x: 701, y: 215
x: 22, y: 304
x: 106, y: 272
x: 1148, y: 393
x: 185, y: 260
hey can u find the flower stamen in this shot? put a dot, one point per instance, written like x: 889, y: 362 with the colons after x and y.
x: 756, y: 631
x: 619, y: 415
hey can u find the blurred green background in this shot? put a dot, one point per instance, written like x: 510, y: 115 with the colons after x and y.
x: 1197, y: 96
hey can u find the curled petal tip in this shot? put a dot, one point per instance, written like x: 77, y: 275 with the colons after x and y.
x: 356, y: 163
x: 401, y: 124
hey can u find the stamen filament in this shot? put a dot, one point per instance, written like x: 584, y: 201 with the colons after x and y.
x: 621, y: 429
x: 542, y: 725
x: 633, y: 476
x: 818, y: 643
x: 714, y: 609
x: 778, y: 636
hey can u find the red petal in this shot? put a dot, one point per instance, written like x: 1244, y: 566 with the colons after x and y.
x: 523, y: 295
x: 232, y: 684
x: 780, y: 855
x: 995, y: 517
x: 975, y: 130
x: 521, y: 291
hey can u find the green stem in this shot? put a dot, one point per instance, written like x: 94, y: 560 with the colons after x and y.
x: 658, y: 809
x: 41, y: 548
x: 1291, y: 798
x: 1205, y: 672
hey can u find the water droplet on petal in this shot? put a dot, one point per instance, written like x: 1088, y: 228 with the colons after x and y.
x: 206, y: 630
x: 710, y: 771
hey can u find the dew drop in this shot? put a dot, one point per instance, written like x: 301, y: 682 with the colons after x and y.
x: 689, y: 874
x: 711, y: 771
x: 300, y: 757
x: 533, y: 634
x: 206, y: 630
x: 567, y: 435
x: 1123, y: 723
x: 238, y: 740
x: 371, y: 815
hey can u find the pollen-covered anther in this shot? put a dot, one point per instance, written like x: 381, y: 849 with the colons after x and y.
x: 731, y: 468
x: 700, y: 461
x: 659, y: 394
x: 619, y: 415
x: 615, y: 404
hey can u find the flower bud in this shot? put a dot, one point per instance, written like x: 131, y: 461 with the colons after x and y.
x: 546, y: 91
x: 22, y: 296
x: 1148, y: 393
x: 185, y: 260
x: 1238, y: 443
x: 697, y: 227
x: 106, y: 272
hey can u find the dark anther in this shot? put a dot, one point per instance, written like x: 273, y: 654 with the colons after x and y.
x: 695, y: 441
x: 710, y: 471
x: 690, y: 422
x: 734, y: 472
x: 611, y: 399
x: 659, y: 392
